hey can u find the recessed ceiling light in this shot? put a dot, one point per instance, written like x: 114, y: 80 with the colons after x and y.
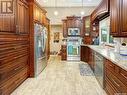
x: 45, y: 1
x: 82, y: 12
x: 89, y: 0
x: 55, y: 13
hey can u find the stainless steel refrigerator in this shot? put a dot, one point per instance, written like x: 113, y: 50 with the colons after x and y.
x: 40, y: 48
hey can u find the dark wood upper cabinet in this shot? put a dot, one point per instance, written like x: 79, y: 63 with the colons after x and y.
x: 18, y: 21
x: 118, y: 13
x: 22, y: 26
x: 124, y: 17
x: 86, y: 26
x: 114, y: 17
x: 71, y: 22
x: 101, y: 11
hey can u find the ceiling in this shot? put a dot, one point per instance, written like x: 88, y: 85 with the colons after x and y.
x: 64, y: 12
x: 67, y: 8
x: 68, y: 3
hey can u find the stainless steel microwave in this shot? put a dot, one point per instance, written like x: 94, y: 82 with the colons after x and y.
x: 73, y: 32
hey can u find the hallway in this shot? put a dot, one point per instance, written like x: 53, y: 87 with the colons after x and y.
x: 61, y: 78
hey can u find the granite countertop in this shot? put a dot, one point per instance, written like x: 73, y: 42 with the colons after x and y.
x: 109, y: 54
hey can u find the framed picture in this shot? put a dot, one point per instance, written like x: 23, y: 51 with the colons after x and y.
x: 56, y: 37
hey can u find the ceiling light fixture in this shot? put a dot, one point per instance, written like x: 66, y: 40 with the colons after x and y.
x: 56, y: 12
x: 89, y: 0
x: 45, y: 1
x: 82, y: 11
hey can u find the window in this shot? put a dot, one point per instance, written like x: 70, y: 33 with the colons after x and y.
x: 104, y: 32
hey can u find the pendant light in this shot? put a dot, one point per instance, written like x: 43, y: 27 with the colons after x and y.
x: 55, y: 12
x: 82, y: 11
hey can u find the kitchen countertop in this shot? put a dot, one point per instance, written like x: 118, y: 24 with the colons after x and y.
x: 109, y: 54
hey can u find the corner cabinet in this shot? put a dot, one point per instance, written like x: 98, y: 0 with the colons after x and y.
x: 118, y: 13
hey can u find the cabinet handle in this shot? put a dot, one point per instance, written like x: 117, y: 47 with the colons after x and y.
x: 110, y: 65
x: 116, y: 83
x: 14, y: 48
x: 16, y: 69
x: 123, y: 75
x: 15, y: 57
x: 17, y: 29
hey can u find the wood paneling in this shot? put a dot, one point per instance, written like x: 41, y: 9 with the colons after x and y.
x: 14, y: 48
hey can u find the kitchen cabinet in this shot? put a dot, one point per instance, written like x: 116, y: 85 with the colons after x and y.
x: 65, y: 33
x: 72, y: 22
x: 86, y: 33
x: 18, y: 21
x: 118, y: 12
x: 39, y: 14
x: 85, y: 53
x: 115, y: 79
x: 22, y: 25
x: 14, y: 48
x: 101, y: 11
x: 86, y: 26
x: 63, y: 52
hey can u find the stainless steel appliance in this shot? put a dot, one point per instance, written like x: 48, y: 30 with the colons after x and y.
x: 99, y: 65
x: 73, y: 32
x: 73, y: 48
x: 40, y: 48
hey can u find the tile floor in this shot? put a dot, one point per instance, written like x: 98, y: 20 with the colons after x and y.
x: 60, y: 78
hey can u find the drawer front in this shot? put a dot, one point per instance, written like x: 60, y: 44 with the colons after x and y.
x: 116, y: 82
x: 122, y: 75
x: 110, y: 66
x: 110, y: 88
x: 7, y: 87
x: 9, y: 69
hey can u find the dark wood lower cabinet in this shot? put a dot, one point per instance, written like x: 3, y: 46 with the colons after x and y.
x: 63, y: 52
x: 114, y: 84
x: 87, y: 55
x: 115, y: 77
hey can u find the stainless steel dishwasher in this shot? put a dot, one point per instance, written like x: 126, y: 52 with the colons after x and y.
x: 99, y: 71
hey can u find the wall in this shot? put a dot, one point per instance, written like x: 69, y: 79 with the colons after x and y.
x: 121, y: 40
x: 55, y: 46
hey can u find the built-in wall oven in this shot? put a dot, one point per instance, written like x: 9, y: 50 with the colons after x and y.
x: 99, y: 68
